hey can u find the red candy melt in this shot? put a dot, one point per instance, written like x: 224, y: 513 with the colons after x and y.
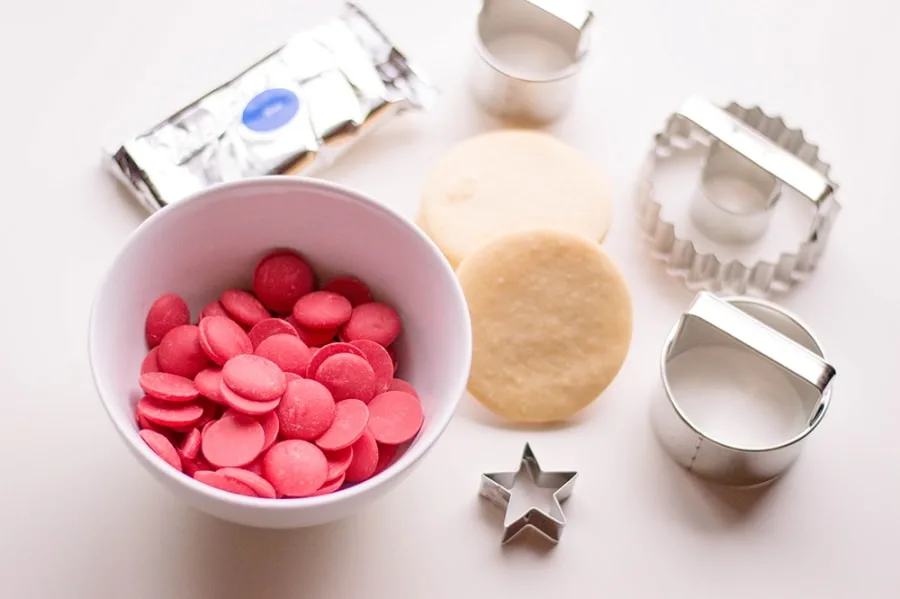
x: 243, y: 307
x: 222, y: 339
x: 347, y: 377
x: 191, y: 467
x: 225, y: 483
x: 365, y: 459
x: 395, y: 417
x: 268, y: 327
x: 190, y: 447
x: 260, y: 486
x: 314, y: 337
x: 306, y: 410
x: 143, y: 423
x: 211, y: 412
x: 180, y: 352
x: 254, y: 377
x: 282, y: 278
x: 287, y: 352
x: 246, y: 406
x: 373, y: 321
x: 401, y: 385
x: 170, y: 415
x: 386, y: 455
x: 168, y: 387
x: 350, y: 419
x: 271, y: 427
x: 150, y: 364
x: 322, y: 310
x: 325, y: 352
x: 213, y: 308
x: 296, y: 424
x: 380, y: 361
x: 338, y: 462
x: 255, y: 466
x: 166, y: 313
x: 209, y: 383
x: 295, y: 468
x: 234, y: 440
x: 162, y: 447
x: 350, y: 287
x: 330, y: 486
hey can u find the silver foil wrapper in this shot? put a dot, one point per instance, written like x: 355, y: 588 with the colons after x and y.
x: 292, y: 112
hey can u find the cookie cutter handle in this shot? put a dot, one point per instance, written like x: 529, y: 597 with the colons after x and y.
x: 741, y: 153
x: 752, y: 326
x: 722, y: 318
x: 735, y: 199
x: 549, y: 38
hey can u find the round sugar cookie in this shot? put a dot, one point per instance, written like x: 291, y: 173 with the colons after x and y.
x: 551, y: 323
x: 507, y: 181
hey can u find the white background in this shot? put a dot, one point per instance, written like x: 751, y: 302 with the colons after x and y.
x: 79, y: 518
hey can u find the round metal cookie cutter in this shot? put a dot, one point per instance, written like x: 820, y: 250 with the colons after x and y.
x: 763, y: 153
x: 752, y: 326
x: 550, y: 39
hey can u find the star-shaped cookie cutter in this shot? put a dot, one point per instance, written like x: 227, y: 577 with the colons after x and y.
x: 498, y: 488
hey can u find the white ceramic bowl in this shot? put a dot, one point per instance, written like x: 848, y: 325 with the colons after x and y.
x: 210, y: 242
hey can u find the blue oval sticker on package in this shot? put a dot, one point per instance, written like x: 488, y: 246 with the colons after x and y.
x: 270, y: 110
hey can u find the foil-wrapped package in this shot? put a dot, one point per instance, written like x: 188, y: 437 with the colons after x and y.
x: 292, y: 112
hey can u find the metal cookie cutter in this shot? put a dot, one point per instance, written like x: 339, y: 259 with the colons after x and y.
x: 528, y: 55
x: 753, y: 326
x: 763, y: 153
x: 499, y: 487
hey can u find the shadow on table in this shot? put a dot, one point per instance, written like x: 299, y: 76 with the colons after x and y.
x: 237, y: 562
x: 471, y: 410
x: 709, y: 505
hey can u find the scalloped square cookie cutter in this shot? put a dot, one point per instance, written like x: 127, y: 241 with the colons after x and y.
x: 765, y: 154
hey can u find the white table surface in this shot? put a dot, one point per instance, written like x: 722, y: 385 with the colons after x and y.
x: 80, y: 518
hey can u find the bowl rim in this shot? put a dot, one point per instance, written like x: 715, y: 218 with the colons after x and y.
x: 215, y: 193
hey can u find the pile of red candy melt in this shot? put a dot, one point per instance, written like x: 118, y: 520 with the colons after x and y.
x: 287, y: 391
